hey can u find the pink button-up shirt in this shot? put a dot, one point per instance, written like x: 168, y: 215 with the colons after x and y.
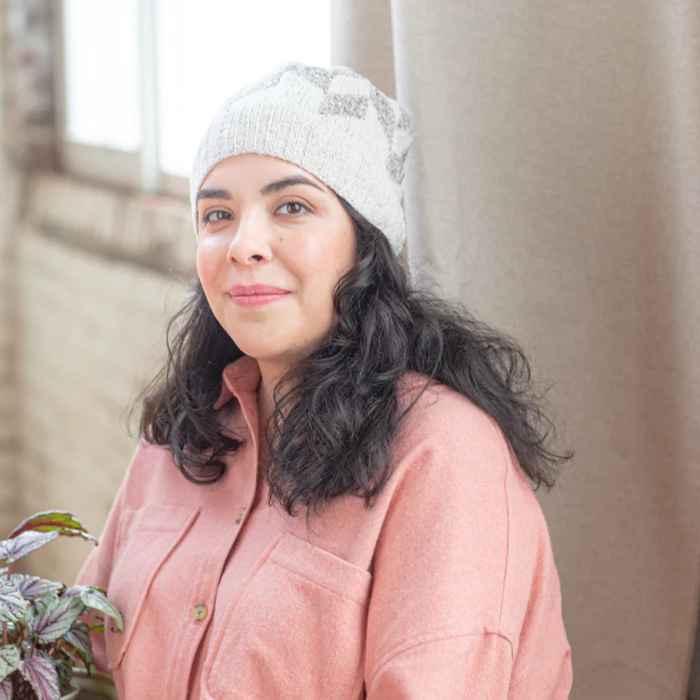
x: 446, y: 589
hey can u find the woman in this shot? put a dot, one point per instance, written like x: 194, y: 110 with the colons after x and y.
x: 330, y: 498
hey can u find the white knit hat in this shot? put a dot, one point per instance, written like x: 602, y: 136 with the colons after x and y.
x: 333, y: 123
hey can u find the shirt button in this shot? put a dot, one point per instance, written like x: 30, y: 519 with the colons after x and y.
x: 199, y: 612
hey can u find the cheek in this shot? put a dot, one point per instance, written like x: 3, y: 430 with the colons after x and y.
x: 324, y: 257
x: 315, y: 266
x: 208, y: 262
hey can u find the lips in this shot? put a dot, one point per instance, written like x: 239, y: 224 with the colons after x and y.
x: 255, y: 290
x: 256, y: 295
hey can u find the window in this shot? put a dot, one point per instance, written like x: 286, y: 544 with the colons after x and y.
x: 141, y: 79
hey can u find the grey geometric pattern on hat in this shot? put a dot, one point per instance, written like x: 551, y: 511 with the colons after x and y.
x: 344, y: 105
x: 280, y: 116
x: 405, y: 122
x: 384, y: 112
x: 396, y: 165
x: 352, y: 106
x: 319, y: 77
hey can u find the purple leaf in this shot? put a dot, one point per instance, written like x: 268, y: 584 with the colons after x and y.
x: 51, y: 520
x: 34, y: 587
x: 12, y: 605
x: 13, y: 549
x: 42, y: 676
x: 55, y: 616
x: 79, y: 637
x: 6, y: 690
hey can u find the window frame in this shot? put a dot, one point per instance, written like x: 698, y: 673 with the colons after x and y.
x: 138, y: 171
x: 135, y: 170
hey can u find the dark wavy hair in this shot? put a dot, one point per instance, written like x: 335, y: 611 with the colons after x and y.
x: 336, y: 411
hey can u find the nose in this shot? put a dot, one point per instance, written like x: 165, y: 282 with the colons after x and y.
x: 251, y: 241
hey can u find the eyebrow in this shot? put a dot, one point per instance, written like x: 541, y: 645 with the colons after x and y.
x: 269, y: 188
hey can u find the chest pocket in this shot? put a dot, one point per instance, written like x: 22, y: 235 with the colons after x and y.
x: 147, y: 537
x: 297, y: 629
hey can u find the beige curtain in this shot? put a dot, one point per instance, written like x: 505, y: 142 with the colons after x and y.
x: 554, y: 187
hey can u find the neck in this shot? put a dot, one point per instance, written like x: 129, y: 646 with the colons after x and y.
x: 270, y: 375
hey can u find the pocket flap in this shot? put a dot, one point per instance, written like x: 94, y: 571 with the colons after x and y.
x: 322, y: 568
x: 150, y: 534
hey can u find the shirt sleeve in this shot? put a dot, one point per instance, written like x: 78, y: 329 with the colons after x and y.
x: 468, y: 666
x: 456, y: 595
x: 97, y: 568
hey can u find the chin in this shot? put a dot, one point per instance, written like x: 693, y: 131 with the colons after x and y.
x: 263, y: 354
x: 284, y: 357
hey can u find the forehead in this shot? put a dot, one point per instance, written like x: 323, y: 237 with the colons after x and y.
x: 250, y: 170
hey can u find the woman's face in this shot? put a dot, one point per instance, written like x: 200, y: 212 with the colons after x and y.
x: 258, y: 227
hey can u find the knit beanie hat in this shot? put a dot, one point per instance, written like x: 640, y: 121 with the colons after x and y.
x: 333, y: 123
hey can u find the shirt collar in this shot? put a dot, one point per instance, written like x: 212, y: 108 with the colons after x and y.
x: 239, y: 379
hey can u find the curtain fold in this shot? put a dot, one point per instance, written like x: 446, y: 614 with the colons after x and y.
x: 554, y: 188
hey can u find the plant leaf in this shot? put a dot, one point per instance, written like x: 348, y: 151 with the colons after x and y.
x: 79, y: 638
x: 12, y: 606
x: 64, y: 671
x: 51, y: 520
x: 6, y: 690
x: 55, y: 616
x: 42, y: 676
x: 9, y: 660
x: 34, y: 587
x: 97, y: 623
x: 13, y: 549
x: 96, y: 599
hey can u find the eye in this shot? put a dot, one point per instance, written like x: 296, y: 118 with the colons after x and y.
x: 207, y: 218
x: 295, y: 204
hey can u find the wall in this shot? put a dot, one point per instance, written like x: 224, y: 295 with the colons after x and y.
x: 88, y: 276
x: 93, y: 302
x: 28, y: 140
x: 8, y: 425
x: 9, y: 200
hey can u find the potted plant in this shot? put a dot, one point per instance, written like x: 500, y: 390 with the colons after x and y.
x: 42, y: 635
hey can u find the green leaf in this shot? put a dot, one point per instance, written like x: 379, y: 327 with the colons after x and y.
x: 53, y: 520
x: 12, y: 606
x: 99, y: 625
x: 9, y: 660
x: 64, y: 670
x: 96, y: 599
x: 13, y: 549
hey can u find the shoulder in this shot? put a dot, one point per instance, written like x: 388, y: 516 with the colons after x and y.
x: 445, y: 432
x: 152, y: 476
x: 450, y: 427
x: 462, y: 524
x: 451, y: 456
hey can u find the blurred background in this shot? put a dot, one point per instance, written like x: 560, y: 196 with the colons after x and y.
x: 553, y: 187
